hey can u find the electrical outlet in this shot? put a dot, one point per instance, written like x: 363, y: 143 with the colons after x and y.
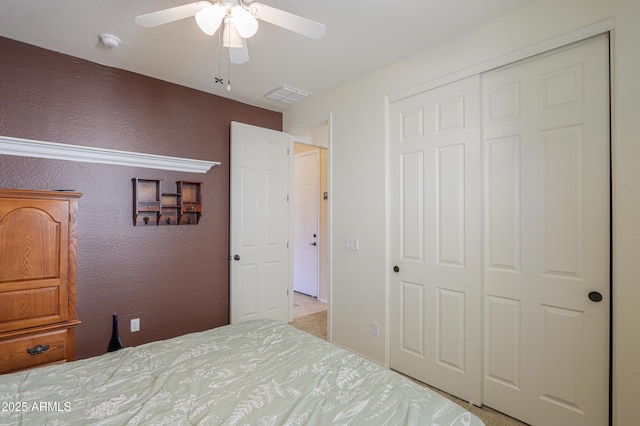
x: 375, y: 329
x: 135, y: 325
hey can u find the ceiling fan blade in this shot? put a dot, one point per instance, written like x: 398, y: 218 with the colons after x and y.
x: 239, y: 55
x: 165, y: 16
x: 289, y: 21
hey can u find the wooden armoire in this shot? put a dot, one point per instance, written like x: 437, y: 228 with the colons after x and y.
x: 37, y: 278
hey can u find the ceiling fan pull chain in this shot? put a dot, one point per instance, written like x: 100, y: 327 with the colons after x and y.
x: 228, y: 63
x: 229, y: 75
x: 219, y: 79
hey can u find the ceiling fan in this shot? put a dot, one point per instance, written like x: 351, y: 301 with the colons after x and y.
x: 240, y: 18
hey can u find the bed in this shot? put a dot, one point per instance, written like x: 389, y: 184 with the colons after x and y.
x: 258, y: 372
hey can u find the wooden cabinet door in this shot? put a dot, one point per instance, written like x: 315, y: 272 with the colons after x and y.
x: 34, y: 262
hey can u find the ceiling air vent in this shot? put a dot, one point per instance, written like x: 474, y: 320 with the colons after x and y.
x: 286, y: 95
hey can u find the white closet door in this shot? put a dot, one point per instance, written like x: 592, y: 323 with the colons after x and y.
x: 435, y: 236
x: 546, y: 241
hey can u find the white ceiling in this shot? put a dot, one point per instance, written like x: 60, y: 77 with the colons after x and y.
x: 362, y: 36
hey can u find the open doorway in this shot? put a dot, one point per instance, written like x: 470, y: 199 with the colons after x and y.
x: 311, y: 221
x: 310, y: 248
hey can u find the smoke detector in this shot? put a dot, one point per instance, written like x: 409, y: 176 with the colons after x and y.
x: 109, y: 40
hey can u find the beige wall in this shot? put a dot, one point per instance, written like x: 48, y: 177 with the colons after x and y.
x: 359, y: 280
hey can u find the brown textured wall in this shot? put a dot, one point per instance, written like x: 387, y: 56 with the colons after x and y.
x: 174, y: 278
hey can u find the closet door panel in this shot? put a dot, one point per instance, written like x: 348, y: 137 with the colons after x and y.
x: 547, y: 204
x: 436, y: 193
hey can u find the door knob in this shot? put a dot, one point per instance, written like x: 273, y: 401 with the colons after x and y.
x: 396, y: 269
x: 313, y: 244
x: 236, y: 257
x: 595, y: 296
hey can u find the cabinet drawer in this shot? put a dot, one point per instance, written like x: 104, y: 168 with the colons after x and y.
x: 46, y: 348
x: 149, y: 207
x: 191, y: 208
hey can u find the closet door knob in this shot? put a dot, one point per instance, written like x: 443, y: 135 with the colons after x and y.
x: 236, y: 257
x: 595, y: 296
x: 396, y: 269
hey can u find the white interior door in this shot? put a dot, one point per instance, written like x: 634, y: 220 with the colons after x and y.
x: 435, y: 238
x: 305, y: 235
x: 260, y: 264
x: 547, y: 203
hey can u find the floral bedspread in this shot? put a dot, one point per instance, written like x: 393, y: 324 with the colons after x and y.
x: 252, y: 373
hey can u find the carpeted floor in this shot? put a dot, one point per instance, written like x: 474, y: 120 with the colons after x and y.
x: 316, y: 324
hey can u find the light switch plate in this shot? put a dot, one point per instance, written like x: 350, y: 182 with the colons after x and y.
x: 352, y: 244
x: 375, y: 329
x: 135, y: 325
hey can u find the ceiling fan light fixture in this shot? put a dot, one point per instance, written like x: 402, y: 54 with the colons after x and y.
x: 245, y: 22
x: 230, y: 35
x: 240, y: 19
x: 210, y: 18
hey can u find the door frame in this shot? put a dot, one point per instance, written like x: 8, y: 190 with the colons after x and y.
x: 303, y: 133
x: 564, y: 40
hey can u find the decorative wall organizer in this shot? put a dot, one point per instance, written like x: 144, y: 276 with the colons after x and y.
x: 153, y: 207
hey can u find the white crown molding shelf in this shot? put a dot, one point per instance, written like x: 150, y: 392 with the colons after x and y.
x: 87, y: 154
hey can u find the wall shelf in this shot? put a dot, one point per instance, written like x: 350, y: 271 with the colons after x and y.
x: 152, y: 207
x: 86, y: 154
x: 190, y: 202
x: 146, y: 201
